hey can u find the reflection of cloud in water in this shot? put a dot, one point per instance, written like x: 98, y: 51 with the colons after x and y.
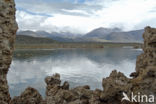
x: 76, y: 70
x: 84, y: 67
x: 78, y: 66
x: 84, y: 71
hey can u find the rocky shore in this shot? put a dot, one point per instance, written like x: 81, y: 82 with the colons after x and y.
x: 143, y: 81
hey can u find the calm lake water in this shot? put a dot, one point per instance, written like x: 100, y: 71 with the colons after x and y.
x: 77, y: 66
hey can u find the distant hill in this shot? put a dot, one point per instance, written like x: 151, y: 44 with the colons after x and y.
x: 23, y: 39
x: 130, y: 36
x: 101, y: 32
x: 115, y: 35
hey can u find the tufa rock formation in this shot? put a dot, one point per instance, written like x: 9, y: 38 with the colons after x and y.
x: 57, y: 94
x: 29, y: 96
x: 143, y: 81
x: 8, y: 29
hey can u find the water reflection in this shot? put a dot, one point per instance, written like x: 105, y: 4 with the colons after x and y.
x: 77, y: 66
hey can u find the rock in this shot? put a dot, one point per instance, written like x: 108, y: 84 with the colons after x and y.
x: 29, y: 96
x: 151, y: 73
x: 148, y: 58
x: 1, y: 31
x: 86, y: 87
x: 134, y: 74
x: 146, y: 65
x: 57, y: 94
x: 113, y: 86
x: 54, y: 80
x: 53, y: 84
x: 95, y: 99
x: 82, y: 92
x: 65, y: 86
x: 8, y: 28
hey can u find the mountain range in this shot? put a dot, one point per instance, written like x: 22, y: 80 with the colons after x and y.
x: 97, y: 35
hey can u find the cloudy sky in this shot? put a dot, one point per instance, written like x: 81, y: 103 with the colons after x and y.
x: 82, y: 16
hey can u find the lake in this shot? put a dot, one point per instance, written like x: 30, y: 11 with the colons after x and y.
x: 77, y: 66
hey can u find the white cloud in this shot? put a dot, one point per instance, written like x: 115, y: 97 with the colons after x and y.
x: 76, y: 11
x: 27, y: 21
x: 73, y: 23
x: 130, y: 14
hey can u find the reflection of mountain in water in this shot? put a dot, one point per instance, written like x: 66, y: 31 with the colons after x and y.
x: 96, y: 55
x: 31, y: 54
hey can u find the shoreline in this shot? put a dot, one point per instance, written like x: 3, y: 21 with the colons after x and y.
x: 77, y: 45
